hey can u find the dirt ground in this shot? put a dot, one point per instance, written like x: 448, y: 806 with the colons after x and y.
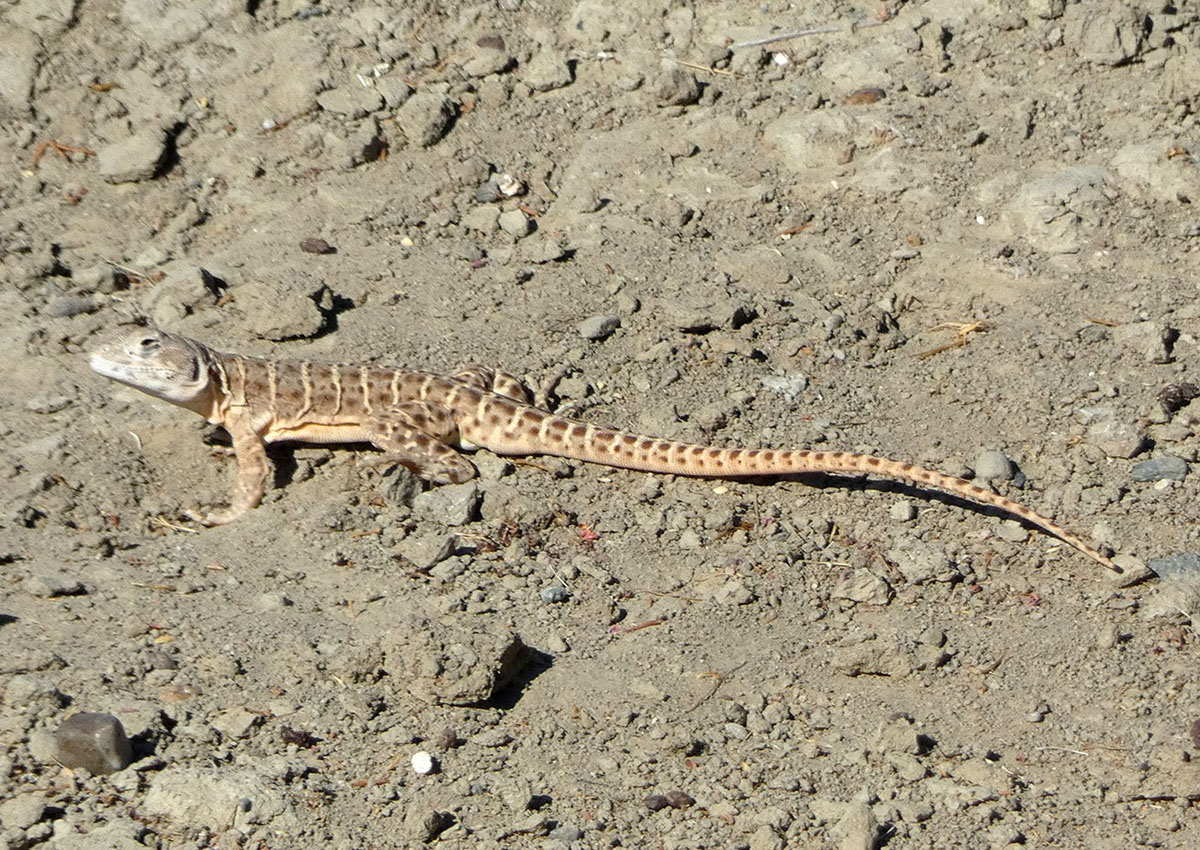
x: 961, y: 233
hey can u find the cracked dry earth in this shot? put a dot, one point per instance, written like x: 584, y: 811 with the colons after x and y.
x: 961, y: 234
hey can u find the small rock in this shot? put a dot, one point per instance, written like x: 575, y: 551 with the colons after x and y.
x: 676, y: 87
x: 555, y: 593
x: 452, y: 504
x: 546, y: 71
x: 49, y: 586
x: 766, y: 838
x: 903, y: 511
x: 316, y: 245
x: 734, y: 592
x: 235, y: 723
x: 566, y: 834
x: 488, y: 60
x: 352, y: 101
x: 993, y: 466
x: 1115, y: 438
x: 1185, y: 565
x: 597, y: 328
x: 423, y: 551
x: 1173, y: 397
x: 485, y: 219
x: 788, y: 386
x: 858, y: 829
x: 425, y: 118
x: 425, y: 825
x: 447, y: 739
x: 863, y: 586
x: 1161, y: 468
x: 134, y: 159
x: 94, y: 742
x: 23, y: 811
x: 679, y: 799
x: 1105, y: 33
x: 1149, y: 340
x: 423, y: 763
x: 515, y: 223
x: 70, y: 305
x: 555, y: 645
x: 657, y: 802
x: 448, y: 570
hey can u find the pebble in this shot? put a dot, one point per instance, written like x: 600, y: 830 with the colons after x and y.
x: 1115, y: 438
x: 425, y: 825
x: 566, y: 834
x: 134, y: 159
x: 597, y: 328
x: 675, y: 87
x: 547, y: 71
x: 863, y: 586
x: 423, y: 763
x: 94, y: 742
x: 352, y: 101
x: 788, y: 386
x: 1175, y: 396
x: 316, y: 245
x: 1161, y: 468
x: 451, y: 504
x: 487, y: 61
x: 1185, y: 565
x: 555, y: 593
x: 903, y: 511
x: 1148, y: 340
x: 1104, y: 33
x: 993, y: 466
x: 425, y: 118
x: 23, y: 811
x: 423, y: 551
x: 447, y: 739
x: 50, y: 585
x: 515, y: 223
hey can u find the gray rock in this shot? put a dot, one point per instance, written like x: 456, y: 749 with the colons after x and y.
x: 217, y: 799
x: 734, y: 592
x: 120, y: 834
x: 1148, y: 340
x: 23, y: 811
x: 134, y: 159
x: 18, y: 68
x: 452, y: 661
x: 903, y: 511
x: 1115, y: 438
x: 858, y: 829
x: 597, y: 328
x: 566, y: 834
x: 235, y: 723
x: 352, y: 101
x: 448, y: 570
x: 487, y: 60
x: 50, y: 585
x: 70, y: 305
x: 425, y: 117
x: 546, y: 71
x: 788, y: 386
x: 424, y: 825
x: 1161, y: 468
x: 1184, y: 565
x: 993, y: 466
x: 33, y: 693
x: 1105, y: 33
x: 94, y: 742
x: 555, y: 593
x: 515, y: 223
x: 484, y: 218
x: 452, y: 504
x: 423, y: 551
x: 675, y: 86
x: 281, y: 309
x: 863, y: 586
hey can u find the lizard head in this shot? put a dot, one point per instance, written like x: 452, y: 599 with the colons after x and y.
x: 166, y: 366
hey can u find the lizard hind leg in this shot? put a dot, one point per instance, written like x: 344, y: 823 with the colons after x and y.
x: 416, y: 435
x: 491, y: 381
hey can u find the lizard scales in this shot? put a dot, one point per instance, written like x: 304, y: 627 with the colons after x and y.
x: 421, y: 420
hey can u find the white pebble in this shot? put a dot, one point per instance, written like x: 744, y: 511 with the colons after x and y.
x: 422, y: 763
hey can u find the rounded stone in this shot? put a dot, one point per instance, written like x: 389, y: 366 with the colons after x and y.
x: 93, y: 742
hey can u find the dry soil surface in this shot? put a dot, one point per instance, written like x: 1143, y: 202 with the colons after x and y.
x: 961, y: 233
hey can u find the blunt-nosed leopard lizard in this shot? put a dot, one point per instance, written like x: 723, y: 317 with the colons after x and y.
x: 422, y: 420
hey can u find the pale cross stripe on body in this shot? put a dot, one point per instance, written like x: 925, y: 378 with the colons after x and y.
x: 422, y: 420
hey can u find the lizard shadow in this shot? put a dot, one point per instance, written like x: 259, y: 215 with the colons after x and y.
x: 834, y: 481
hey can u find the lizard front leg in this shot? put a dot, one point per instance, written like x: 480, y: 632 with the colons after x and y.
x: 253, y: 466
x: 416, y: 435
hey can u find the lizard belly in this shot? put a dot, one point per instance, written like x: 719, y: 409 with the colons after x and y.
x: 315, y: 433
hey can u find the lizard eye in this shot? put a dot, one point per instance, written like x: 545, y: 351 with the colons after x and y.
x: 148, y: 343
